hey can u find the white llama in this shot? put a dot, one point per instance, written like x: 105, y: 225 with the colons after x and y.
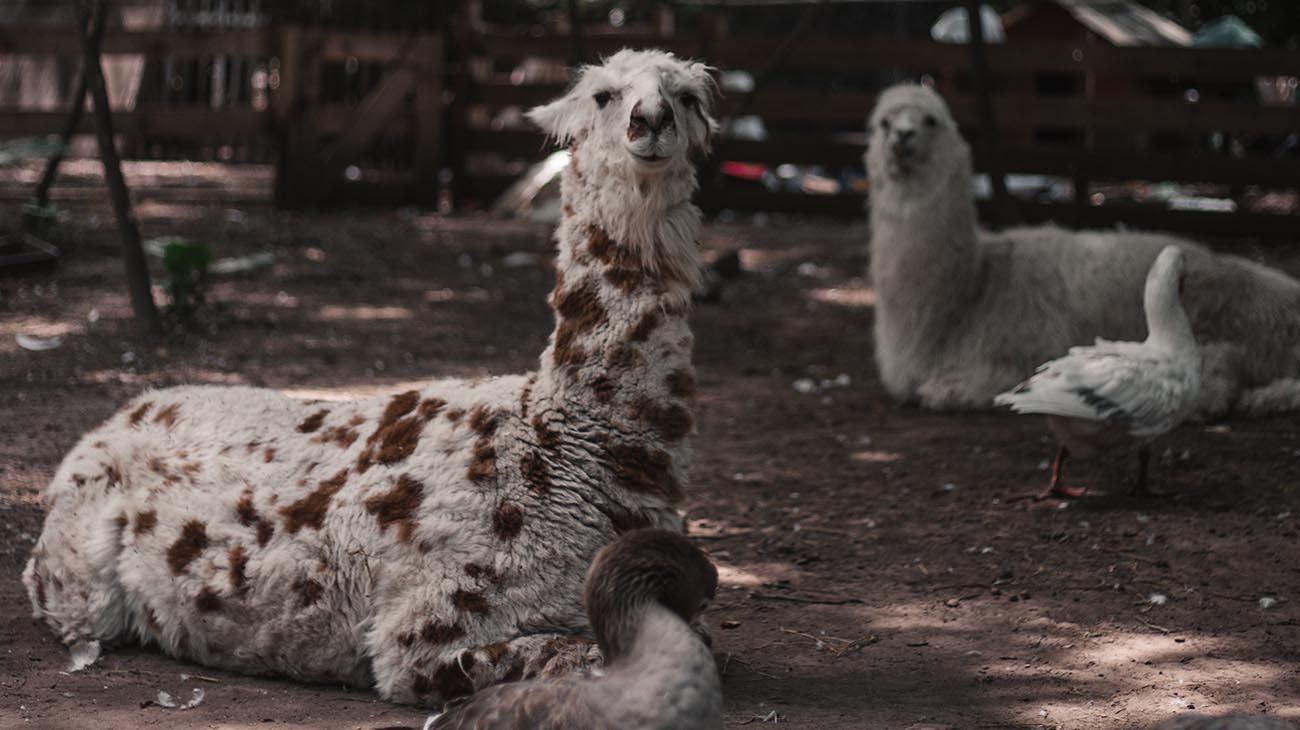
x: 962, y: 316
x: 434, y: 542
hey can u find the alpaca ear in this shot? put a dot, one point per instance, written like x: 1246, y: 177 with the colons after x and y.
x: 702, y: 75
x: 567, y: 117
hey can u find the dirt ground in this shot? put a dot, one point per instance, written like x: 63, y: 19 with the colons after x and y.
x: 880, y: 568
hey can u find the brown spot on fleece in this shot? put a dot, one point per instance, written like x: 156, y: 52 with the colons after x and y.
x: 264, y: 531
x: 309, y: 591
x: 112, y: 477
x: 145, y: 522
x: 452, y: 680
x: 313, y: 422
x: 429, y: 408
x: 436, y: 633
x: 207, y: 601
x: 625, y: 521
x: 535, y: 472
x: 245, y: 510
x: 580, y: 311
x: 508, y: 520
x: 475, y: 570
x: 138, y: 414
x: 470, y: 602
x: 341, y: 436
x: 483, y: 463
x: 681, y: 383
x: 644, y: 326
x: 396, y: 436
x: 671, y: 421
x: 192, y: 542
x: 167, y: 416
x: 238, y: 570
x: 643, y: 470
x: 397, y: 506
x: 310, y: 510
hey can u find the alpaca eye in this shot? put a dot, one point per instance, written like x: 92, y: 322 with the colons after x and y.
x: 602, y: 98
x: 884, y: 125
x: 930, y: 121
x: 690, y: 101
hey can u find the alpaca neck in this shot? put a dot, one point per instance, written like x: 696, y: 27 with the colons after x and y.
x: 924, y: 242
x: 666, y: 659
x: 619, y: 360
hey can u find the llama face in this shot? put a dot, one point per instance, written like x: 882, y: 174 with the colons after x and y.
x: 906, y: 128
x: 644, y: 110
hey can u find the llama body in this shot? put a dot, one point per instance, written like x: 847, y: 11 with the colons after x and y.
x: 428, y: 543
x: 962, y: 316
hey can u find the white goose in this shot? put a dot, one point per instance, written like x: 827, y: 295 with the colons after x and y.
x: 1139, y: 390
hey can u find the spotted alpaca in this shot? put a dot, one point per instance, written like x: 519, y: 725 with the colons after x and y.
x: 434, y: 542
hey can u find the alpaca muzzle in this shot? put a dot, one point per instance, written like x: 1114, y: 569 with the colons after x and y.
x: 642, y: 124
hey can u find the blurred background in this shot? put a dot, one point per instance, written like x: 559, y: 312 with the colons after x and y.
x: 1168, y: 114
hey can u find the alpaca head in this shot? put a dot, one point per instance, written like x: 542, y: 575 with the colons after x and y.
x: 641, y: 113
x: 641, y: 567
x: 912, y: 137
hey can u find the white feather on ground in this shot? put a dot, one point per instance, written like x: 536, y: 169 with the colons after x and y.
x: 1141, y: 389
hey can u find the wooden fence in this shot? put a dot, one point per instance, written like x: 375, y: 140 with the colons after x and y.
x: 349, y: 115
x: 1090, y: 115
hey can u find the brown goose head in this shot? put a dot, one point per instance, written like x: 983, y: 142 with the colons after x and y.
x: 640, y: 568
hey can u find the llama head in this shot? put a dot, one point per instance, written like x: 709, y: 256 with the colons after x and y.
x: 641, y: 567
x: 912, y: 137
x: 641, y: 112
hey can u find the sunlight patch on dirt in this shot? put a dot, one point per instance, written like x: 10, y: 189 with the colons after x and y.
x: 755, y: 574
x: 336, y: 312
x: 875, y: 457
x: 855, y: 295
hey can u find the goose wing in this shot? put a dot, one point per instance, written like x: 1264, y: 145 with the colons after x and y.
x: 1116, y: 383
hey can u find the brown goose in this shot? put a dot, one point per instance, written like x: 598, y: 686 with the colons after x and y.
x: 641, y: 594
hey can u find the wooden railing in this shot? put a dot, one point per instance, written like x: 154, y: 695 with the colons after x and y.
x: 1123, y: 135
x: 1118, y: 114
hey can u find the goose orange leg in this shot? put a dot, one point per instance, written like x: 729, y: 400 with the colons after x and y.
x: 1057, y: 488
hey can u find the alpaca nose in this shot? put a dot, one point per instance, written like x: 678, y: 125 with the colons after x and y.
x: 643, y: 123
x: 903, y: 136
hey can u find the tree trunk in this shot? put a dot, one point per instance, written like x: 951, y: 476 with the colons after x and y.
x: 137, y: 271
x: 75, y: 112
x: 1004, y: 209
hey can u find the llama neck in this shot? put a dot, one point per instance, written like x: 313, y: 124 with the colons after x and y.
x: 924, y: 242
x: 619, y: 360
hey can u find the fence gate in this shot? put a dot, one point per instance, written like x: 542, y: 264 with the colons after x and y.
x: 359, y: 116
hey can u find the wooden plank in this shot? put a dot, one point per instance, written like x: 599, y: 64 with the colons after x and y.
x: 374, y: 113
x: 178, y: 42
x: 368, y: 47
x: 1197, y: 223
x: 514, y: 46
x: 848, y: 54
x: 182, y: 123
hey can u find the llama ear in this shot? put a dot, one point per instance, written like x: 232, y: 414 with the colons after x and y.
x: 702, y: 75
x: 567, y: 117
